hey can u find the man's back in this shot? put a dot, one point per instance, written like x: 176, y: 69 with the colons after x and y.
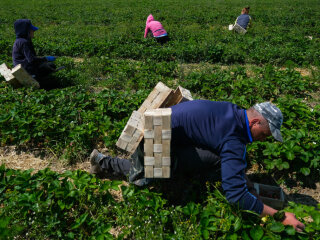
x: 207, y: 124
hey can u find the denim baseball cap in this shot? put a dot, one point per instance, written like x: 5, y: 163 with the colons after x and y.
x: 274, y: 117
x: 33, y: 27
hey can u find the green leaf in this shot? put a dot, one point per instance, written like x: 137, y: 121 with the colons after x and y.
x: 237, y: 224
x: 245, y: 236
x: 316, y: 217
x: 80, y: 220
x: 305, y: 171
x: 276, y: 227
x: 205, y: 234
x: 233, y: 236
x: 290, y: 230
x: 285, y: 165
x: 257, y: 232
x: 61, y: 204
x: 290, y: 155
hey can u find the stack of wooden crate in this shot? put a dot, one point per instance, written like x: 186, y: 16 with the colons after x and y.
x: 160, y: 97
x: 157, y: 138
x: 133, y: 132
x: 18, y: 76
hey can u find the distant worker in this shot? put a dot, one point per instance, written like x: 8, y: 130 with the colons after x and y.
x: 23, y: 52
x: 242, y: 22
x: 244, y: 19
x: 156, y: 30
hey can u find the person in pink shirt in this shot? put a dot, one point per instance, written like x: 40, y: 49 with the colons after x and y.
x: 156, y: 29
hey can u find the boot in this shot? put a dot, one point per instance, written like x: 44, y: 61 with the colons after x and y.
x: 95, y: 158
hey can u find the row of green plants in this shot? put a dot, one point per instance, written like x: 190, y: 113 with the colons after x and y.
x: 70, y: 122
x: 198, y: 31
x: 77, y: 205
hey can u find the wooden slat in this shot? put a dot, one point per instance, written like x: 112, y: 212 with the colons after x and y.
x: 166, y: 161
x: 166, y: 134
x: 148, y: 170
x: 157, y: 117
x: 149, y: 161
x: 157, y: 172
x: 23, y: 77
x: 121, y: 144
x: 148, y: 121
x: 166, y: 120
x: 148, y: 133
x: 157, y: 134
x: 166, y: 148
x: 157, y: 160
x: 125, y: 137
x: 157, y: 148
x: 148, y: 147
x: 166, y: 172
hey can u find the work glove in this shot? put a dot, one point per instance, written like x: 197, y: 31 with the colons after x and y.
x: 50, y: 58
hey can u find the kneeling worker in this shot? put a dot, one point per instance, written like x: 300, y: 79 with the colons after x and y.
x: 209, y: 138
x: 23, y: 52
x: 244, y: 19
x: 156, y: 29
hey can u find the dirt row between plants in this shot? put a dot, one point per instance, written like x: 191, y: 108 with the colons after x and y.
x: 20, y: 160
x: 190, y: 67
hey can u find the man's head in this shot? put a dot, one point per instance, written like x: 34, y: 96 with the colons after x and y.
x: 265, y: 119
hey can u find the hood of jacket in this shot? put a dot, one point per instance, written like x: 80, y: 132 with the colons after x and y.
x: 150, y: 19
x: 22, y: 28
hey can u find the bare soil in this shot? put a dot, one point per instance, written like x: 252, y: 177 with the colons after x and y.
x: 191, y: 67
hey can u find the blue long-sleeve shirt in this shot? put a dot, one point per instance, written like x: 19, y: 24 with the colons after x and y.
x: 222, y: 128
x: 243, y: 20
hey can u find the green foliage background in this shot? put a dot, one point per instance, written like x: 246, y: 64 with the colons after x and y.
x: 111, y: 68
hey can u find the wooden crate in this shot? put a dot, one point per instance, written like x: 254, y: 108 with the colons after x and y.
x: 160, y: 97
x: 272, y: 196
x: 23, y: 77
x: 157, y: 138
x: 18, y: 76
x: 132, y: 134
x: 6, y: 73
x: 160, y: 94
x: 180, y: 95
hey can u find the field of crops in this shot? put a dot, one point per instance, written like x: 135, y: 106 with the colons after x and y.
x: 111, y: 68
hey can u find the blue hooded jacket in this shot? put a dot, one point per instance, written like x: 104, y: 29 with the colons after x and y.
x: 23, y: 51
x: 222, y: 128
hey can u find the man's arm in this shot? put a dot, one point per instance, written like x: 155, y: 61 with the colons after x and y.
x: 234, y: 183
x: 289, y: 220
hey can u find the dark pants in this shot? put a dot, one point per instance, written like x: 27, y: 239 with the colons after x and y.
x: 162, y: 40
x: 186, y: 162
x: 45, y: 69
x: 42, y: 73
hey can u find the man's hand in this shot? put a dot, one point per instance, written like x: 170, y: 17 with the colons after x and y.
x: 289, y: 220
x: 292, y: 220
